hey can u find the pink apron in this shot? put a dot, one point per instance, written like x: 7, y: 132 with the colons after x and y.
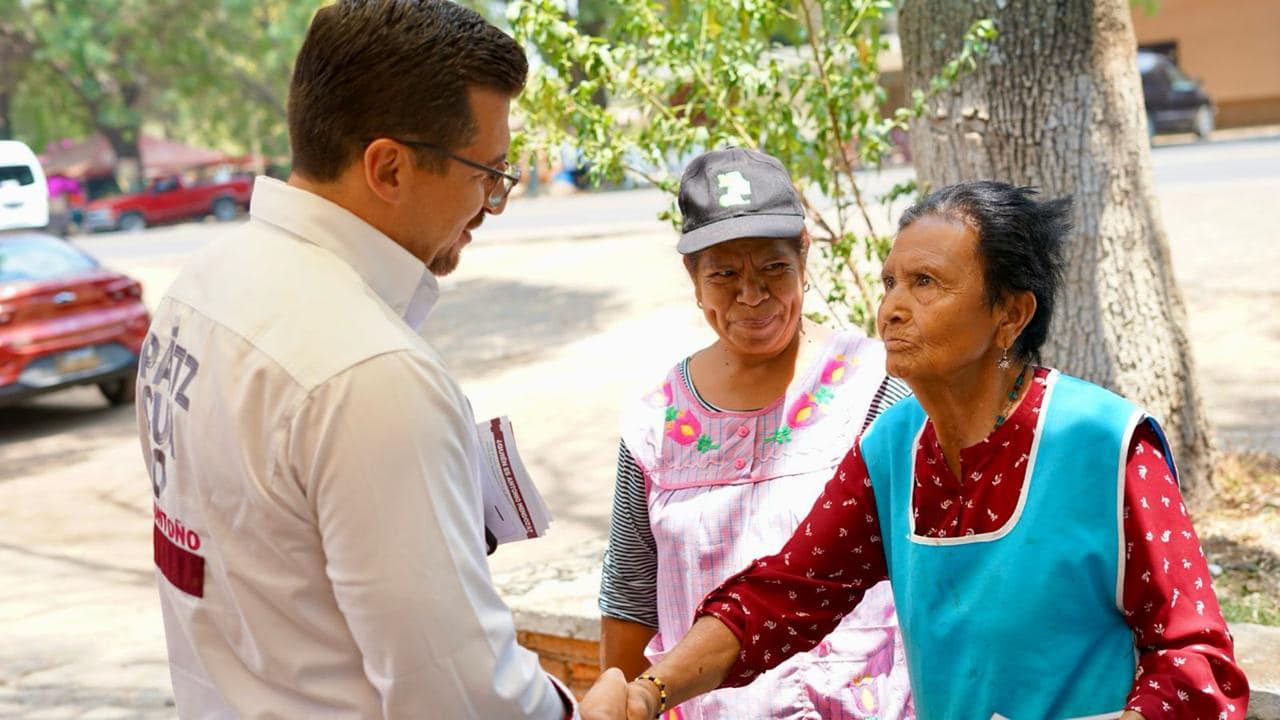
x: 725, y: 488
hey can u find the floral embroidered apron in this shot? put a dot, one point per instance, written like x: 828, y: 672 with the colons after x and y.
x: 725, y: 488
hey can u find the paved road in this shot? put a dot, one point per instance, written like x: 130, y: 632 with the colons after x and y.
x: 552, y: 319
x: 1175, y: 161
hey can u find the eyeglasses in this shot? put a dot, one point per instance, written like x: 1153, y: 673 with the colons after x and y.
x: 500, y: 180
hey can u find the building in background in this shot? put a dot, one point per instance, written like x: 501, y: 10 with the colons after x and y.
x: 1233, y: 47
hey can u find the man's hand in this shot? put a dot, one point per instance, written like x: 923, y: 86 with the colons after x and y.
x: 607, y: 699
x: 1131, y: 715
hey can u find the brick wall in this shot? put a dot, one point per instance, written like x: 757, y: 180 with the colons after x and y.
x: 574, y: 662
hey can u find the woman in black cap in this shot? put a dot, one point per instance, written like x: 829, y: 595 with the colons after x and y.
x: 722, y: 458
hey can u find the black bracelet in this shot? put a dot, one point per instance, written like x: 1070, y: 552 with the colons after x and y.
x: 662, y: 690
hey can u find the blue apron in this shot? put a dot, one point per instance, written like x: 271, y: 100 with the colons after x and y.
x: 1024, y: 622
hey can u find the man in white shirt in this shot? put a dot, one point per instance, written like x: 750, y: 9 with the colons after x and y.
x: 318, y: 527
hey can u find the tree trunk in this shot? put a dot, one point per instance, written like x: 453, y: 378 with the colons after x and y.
x: 6, y: 118
x: 1057, y: 104
x: 15, y: 53
x: 124, y: 142
x: 130, y: 174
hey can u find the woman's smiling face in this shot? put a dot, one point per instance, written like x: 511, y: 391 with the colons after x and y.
x: 752, y: 293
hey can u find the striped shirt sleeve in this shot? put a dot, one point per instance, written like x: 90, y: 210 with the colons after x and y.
x: 629, y: 578
x: 891, y: 391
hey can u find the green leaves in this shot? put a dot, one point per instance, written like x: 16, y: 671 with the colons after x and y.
x: 213, y: 72
x: 976, y: 43
x: 662, y: 81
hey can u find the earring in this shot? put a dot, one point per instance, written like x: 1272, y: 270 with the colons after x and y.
x: 699, y: 304
x: 806, y: 286
x: 1004, y: 360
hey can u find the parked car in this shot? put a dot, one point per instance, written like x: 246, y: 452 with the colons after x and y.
x: 1175, y: 102
x: 166, y: 200
x: 24, y: 194
x: 65, y: 320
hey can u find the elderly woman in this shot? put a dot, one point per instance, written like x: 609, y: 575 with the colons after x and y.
x: 720, y: 461
x: 1042, y: 561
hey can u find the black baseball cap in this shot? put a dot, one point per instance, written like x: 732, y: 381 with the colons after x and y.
x: 736, y: 193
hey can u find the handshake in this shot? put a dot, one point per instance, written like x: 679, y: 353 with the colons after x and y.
x: 613, y: 698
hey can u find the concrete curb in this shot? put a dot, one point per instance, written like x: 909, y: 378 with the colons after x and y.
x: 1258, y: 652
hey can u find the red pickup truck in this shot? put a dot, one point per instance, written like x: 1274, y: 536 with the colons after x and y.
x: 167, y: 200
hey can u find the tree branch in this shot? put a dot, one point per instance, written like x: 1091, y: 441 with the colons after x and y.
x: 654, y: 181
x: 820, y: 59
x: 68, y: 76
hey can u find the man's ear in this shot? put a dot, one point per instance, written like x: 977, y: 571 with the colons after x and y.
x: 385, y: 163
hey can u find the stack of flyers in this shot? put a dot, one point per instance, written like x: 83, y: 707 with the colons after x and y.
x: 513, y: 507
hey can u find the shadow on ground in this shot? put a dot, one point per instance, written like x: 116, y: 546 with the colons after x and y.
x: 78, y: 410
x: 52, y: 700
x: 109, y: 572
x: 33, y: 434
x: 485, y: 326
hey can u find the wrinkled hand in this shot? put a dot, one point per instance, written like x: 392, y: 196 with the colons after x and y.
x: 607, y: 699
x: 642, y: 701
x: 613, y: 698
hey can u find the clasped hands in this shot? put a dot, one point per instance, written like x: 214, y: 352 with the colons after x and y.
x: 613, y: 698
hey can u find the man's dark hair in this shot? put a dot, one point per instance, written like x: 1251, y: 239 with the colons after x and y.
x: 393, y: 68
x: 1020, y: 244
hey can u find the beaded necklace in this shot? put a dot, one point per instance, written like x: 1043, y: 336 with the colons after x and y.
x: 1013, y: 395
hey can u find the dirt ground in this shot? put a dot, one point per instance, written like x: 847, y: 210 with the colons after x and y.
x: 1241, y: 535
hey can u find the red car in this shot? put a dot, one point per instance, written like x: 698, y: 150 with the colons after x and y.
x: 65, y: 320
x: 168, y: 200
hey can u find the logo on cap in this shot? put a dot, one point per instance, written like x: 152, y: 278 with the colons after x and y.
x: 737, y: 190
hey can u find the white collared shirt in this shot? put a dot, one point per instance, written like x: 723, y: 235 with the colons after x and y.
x: 318, y: 525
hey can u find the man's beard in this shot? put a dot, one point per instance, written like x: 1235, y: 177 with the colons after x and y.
x: 447, y: 262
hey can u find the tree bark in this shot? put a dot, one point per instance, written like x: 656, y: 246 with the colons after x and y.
x: 15, y: 52
x: 124, y: 141
x: 129, y: 172
x: 6, y: 118
x: 1057, y: 104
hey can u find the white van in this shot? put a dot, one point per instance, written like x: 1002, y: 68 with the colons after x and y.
x: 24, y: 193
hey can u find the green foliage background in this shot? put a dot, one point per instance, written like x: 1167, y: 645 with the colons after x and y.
x: 660, y: 81
x: 213, y: 72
